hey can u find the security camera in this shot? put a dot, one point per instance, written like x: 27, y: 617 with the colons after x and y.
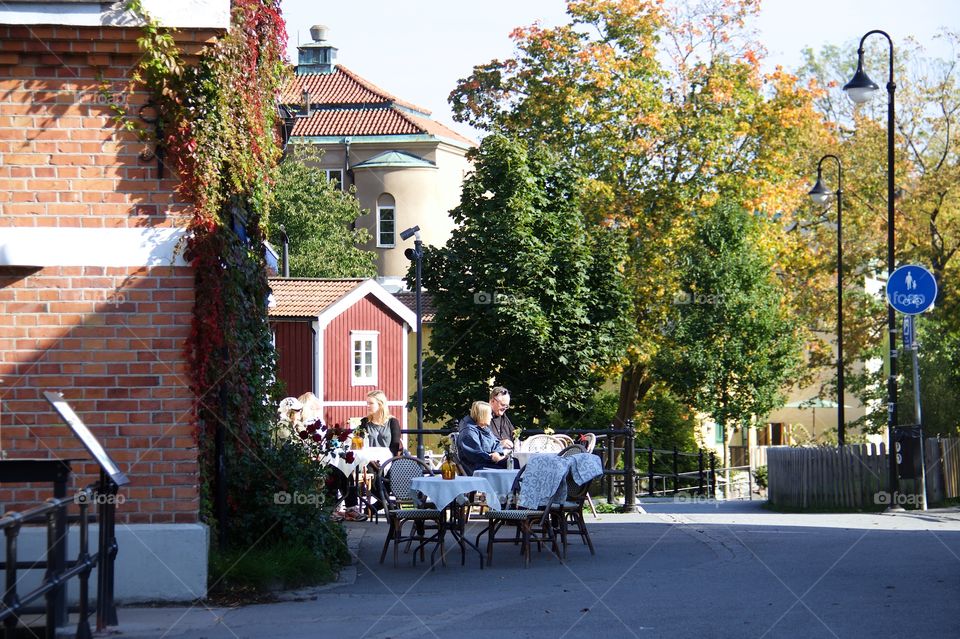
x: 406, y: 235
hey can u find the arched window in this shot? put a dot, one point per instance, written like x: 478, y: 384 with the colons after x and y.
x: 386, y: 221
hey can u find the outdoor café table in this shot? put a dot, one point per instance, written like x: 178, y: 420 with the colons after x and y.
x: 361, y: 457
x: 500, y: 480
x: 444, y: 493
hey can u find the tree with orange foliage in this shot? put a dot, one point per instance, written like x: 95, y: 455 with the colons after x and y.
x: 666, y: 109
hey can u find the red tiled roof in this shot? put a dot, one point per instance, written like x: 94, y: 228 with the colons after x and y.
x: 409, y: 299
x: 342, y: 87
x: 435, y: 128
x: 383, y: 121
x: 295, y: 297
x: 346, y: 104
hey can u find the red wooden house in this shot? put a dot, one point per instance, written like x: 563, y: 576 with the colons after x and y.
x: 341, y: 339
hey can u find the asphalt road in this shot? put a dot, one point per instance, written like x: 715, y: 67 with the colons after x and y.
x: 700, y: 570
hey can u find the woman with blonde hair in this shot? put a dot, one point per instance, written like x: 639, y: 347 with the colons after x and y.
x: 479, y: 447
x: 381, y: 428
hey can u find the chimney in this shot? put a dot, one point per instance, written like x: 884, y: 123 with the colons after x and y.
x: 317, y: 56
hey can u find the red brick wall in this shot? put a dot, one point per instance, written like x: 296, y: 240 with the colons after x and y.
x: 109, y: 338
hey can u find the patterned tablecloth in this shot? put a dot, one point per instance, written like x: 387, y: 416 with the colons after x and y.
x: 500, y: 480
x: 361, y: 457
x: 442, y: 491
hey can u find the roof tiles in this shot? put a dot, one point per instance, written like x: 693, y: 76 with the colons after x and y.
x: 347, y: 105
x: 296, y: 297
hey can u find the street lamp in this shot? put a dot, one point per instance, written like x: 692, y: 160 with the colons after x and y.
x: 416, y: 253
x: 859, y: 88
x: 820, y: 194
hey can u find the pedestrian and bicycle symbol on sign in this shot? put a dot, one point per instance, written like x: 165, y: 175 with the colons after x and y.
x: 912, y: 289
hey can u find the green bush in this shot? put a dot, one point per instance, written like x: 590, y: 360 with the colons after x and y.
x: 760, y: 476
x: 279, y: 509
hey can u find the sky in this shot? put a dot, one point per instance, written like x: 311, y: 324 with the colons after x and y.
x: 418, y: 49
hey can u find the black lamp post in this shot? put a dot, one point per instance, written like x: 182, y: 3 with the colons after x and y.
x: 820, y: 194
x: 859, y: 88
x: 416, y: 254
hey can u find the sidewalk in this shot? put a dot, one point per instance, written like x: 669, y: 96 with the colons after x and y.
x: 724, y: 569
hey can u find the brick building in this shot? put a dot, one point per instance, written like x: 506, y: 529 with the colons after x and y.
x: 94, y: 300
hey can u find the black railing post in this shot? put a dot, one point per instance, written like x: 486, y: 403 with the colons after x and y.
x: 83, y: 624
x: 10, y: 598
x: 676, y: 471
x: 629, y: 471
x: 56, y: 605
x: 608, y: 462
x: 700, y: 478
x: 107, y: 551
x: 650, y: 471
x: 713, y: 474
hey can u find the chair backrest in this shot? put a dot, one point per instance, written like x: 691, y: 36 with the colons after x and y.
x: 566, y: 440
x: 572, y: 449
x: 541, y: 444
x: 396, y: 475
x: 591, y: 441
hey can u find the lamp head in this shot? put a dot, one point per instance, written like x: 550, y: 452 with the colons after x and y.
x: 410, y: 232
x: 860, y: 86
x: 819, y: 193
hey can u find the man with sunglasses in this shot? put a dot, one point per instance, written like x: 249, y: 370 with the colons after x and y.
x: 500, y: 424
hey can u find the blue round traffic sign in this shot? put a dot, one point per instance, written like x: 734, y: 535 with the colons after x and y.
x: 912, y: 289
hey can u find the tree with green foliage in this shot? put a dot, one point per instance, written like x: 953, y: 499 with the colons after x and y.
x: 733, y: 345
x: 666, y: 109
x: 319, y: 219
x: 524, y: 297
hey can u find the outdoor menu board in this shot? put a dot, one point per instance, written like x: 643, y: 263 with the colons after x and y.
x: 84, y: 435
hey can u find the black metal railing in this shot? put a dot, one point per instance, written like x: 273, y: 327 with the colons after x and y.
x: 55, y: 514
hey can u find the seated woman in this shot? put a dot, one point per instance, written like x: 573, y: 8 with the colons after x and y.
x: 382, y: 429
x: 479, y: 447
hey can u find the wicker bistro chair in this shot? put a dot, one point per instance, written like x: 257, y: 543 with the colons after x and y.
x: 570, y: 514
x: 542, y: 444
x: 394, y: 479
x: 530, y: 526
x: 566, y: 440
x: 572, y: 449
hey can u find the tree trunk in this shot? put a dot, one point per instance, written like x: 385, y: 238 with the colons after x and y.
x: 634, y: 385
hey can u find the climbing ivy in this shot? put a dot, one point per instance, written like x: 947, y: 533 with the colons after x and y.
x: 216, y: 118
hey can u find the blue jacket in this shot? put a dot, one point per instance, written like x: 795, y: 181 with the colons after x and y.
x: 476, y: 444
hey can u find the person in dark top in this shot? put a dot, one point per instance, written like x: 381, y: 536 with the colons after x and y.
x: 500, y: 424
x: 381, y: 428
x: 478, y: 446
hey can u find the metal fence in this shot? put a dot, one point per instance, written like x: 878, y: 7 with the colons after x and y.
x: 55, y: 515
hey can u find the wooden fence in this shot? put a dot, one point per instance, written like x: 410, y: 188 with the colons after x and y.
x: 856, y: 476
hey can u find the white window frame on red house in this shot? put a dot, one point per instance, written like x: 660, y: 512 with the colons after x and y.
x: 360, y: 377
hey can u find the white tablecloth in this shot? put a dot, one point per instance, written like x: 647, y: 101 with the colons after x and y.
x: 443, y: 491
x: 500, y: 480
x: 361, y: 457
